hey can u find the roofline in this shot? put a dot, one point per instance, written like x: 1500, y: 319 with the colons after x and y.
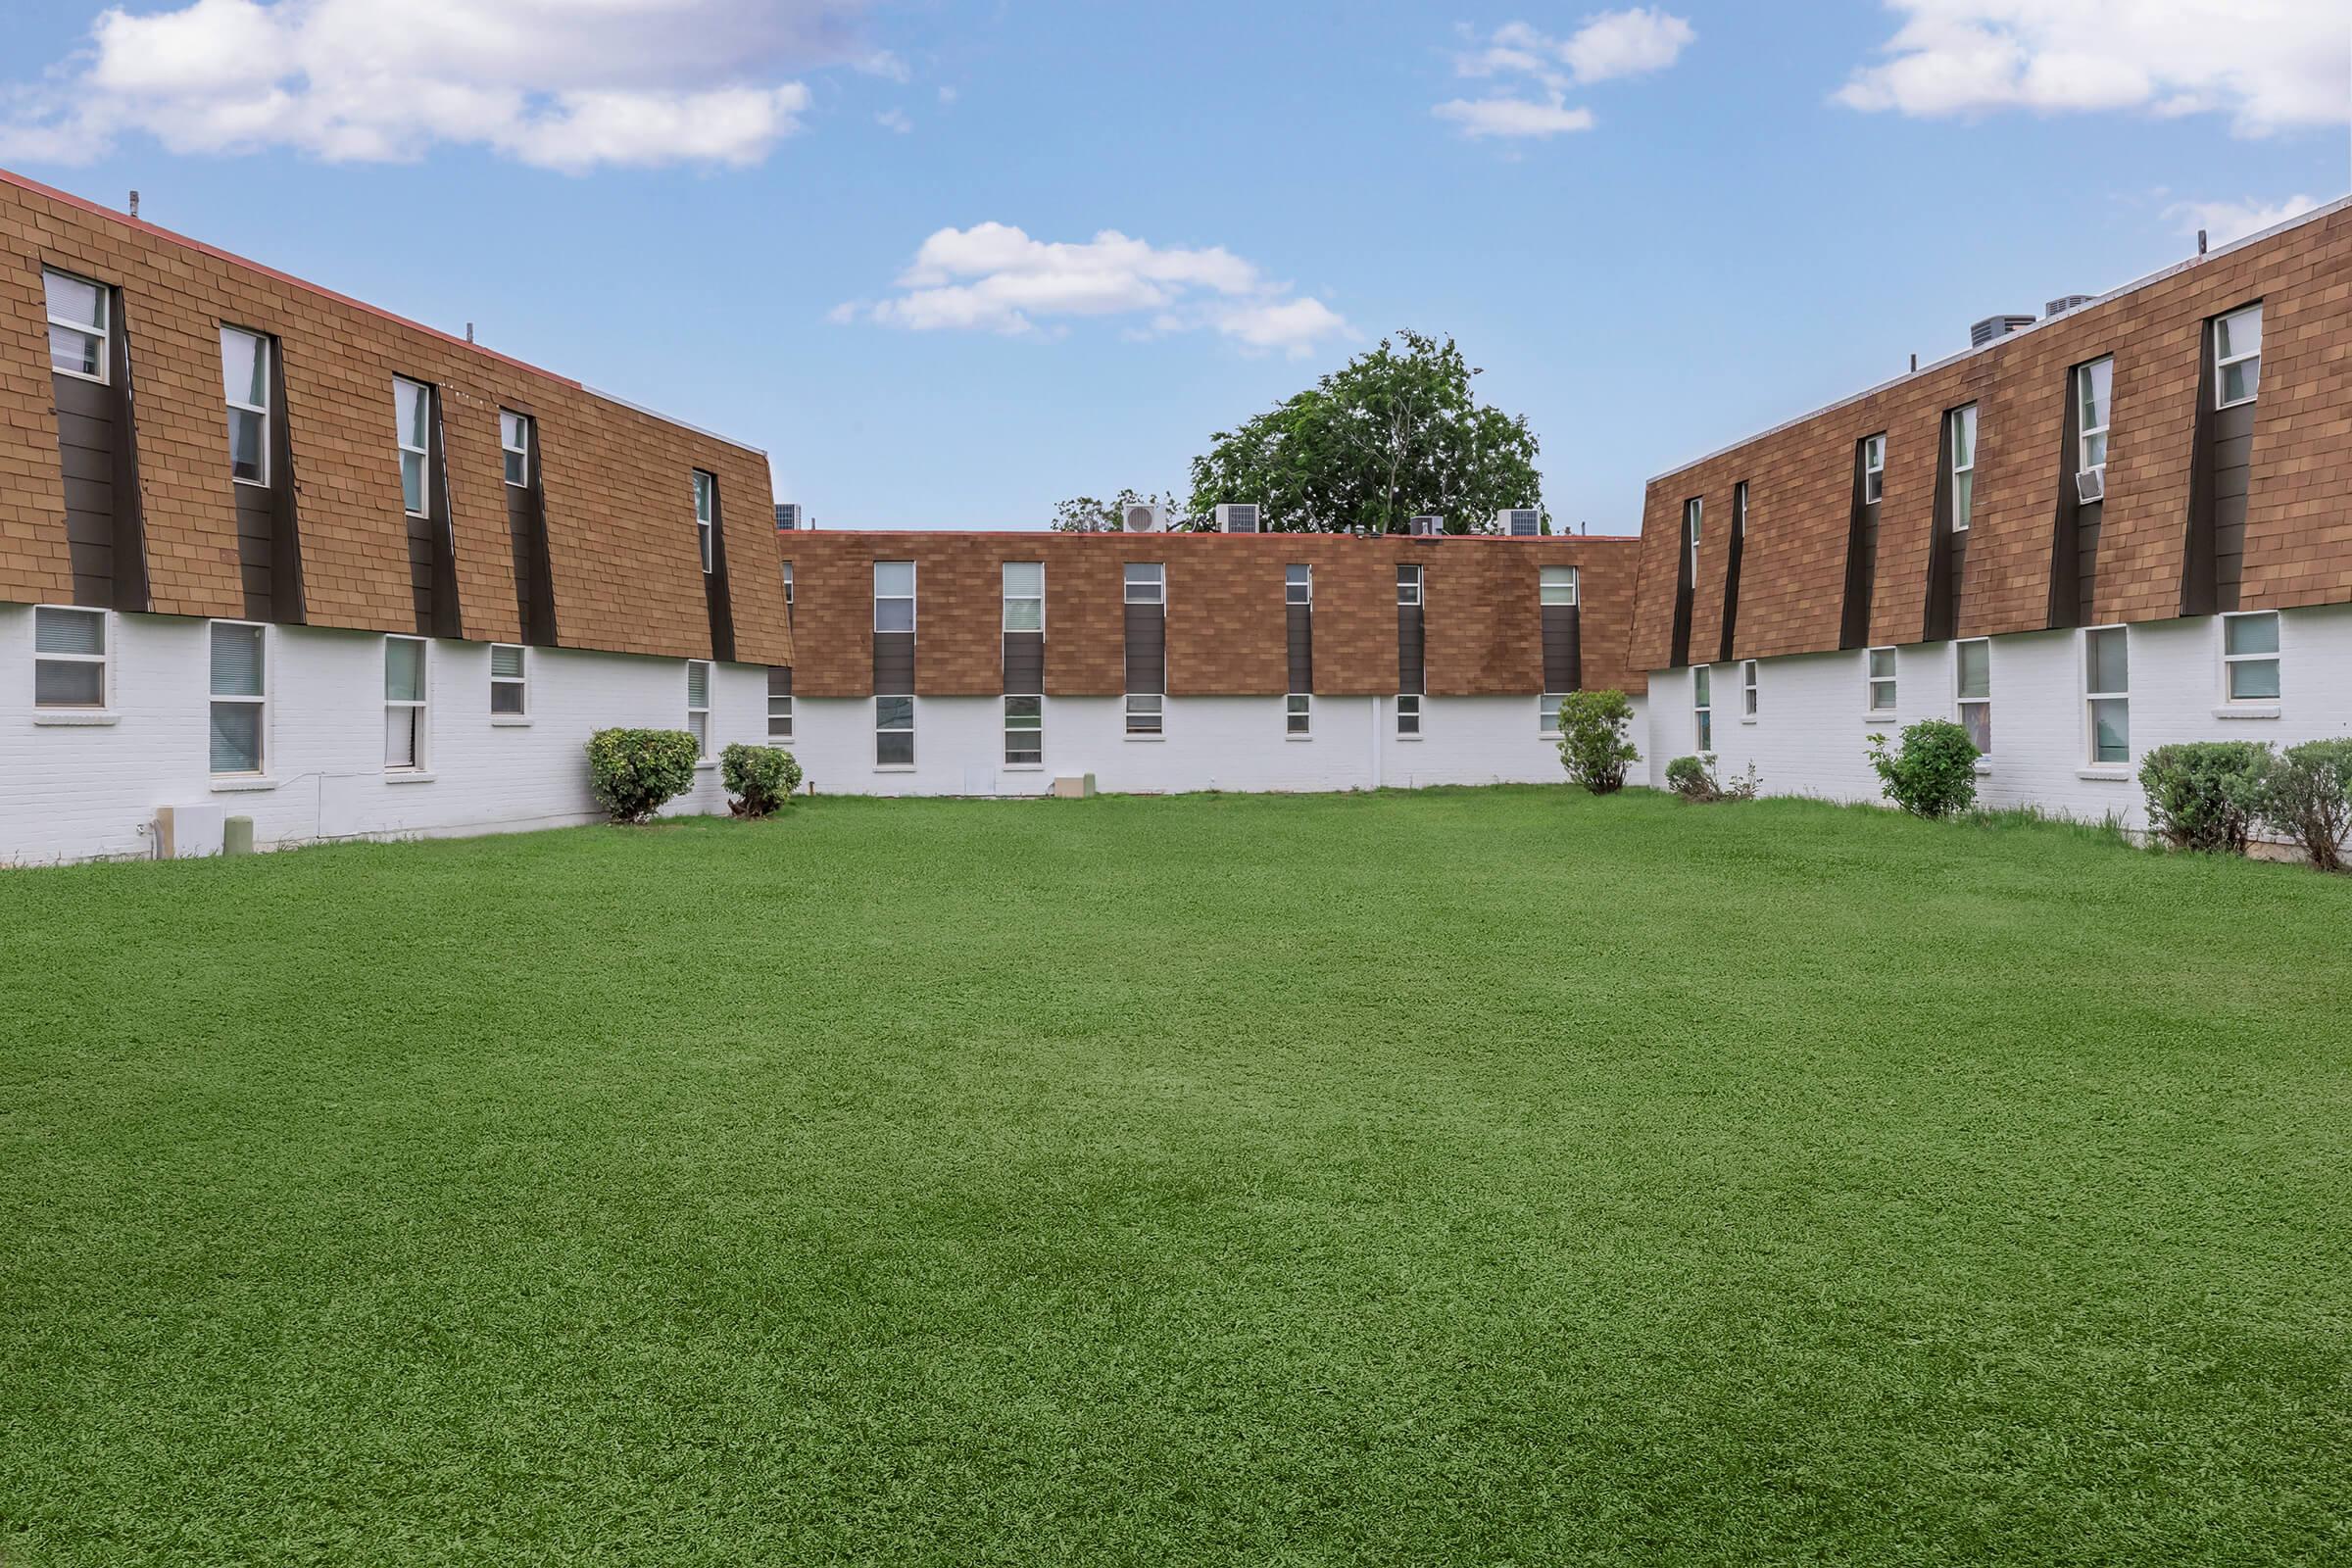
x: 1211, y: 533
x: 2325, y: 209
x: 9, y: 176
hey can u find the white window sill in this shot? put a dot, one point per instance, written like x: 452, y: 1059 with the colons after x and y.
x: 1024, y: 768
x: 70, y: 717
x: 1749, y: 720
x: 238, y: 785
x: 510, y: 721
x: 706, y: 764
x: 2109, y: 775
x: 1151, y: 739
x: 408, y: 775
x: 1413, y: 738
x: 1879, y: 719
x: 1983, y: 768
x: 2247, y: 711
x: 1297, y: 737
x: 251, y: 484
x: 893, y: 767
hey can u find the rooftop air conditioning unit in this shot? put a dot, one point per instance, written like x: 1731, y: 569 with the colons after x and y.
x: 2065, y: 302
x: 1242, y: 518
x: 2091, y: 486
x: 1520, y: 523
x: 788, y: 514
x: 1992, y: 327
x: 1141, y: 517
x: 1428, y: 525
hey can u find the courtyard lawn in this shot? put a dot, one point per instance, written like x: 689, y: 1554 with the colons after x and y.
x: 1479, y: 1176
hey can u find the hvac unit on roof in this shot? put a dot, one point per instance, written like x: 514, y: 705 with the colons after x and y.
x: 1520, y: 523
x: 1238, y: 518
x: 1982, y: 332
x: 2091, y: 486
x: 1428, y: 525
x: 1141, y: 517
x: 788, y: 514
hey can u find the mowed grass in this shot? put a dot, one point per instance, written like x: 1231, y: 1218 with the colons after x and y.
x: 1485, y: 1176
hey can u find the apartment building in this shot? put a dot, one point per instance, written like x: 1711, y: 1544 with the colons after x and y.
x: 2126, y: 524
x: 990, y: 663
x: 268, y: 552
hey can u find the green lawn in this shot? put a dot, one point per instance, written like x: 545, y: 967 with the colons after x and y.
x: 1479, y: 1176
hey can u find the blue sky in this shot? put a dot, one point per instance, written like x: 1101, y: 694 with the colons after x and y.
x: 1656, y: 231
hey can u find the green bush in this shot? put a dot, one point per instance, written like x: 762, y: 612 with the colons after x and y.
x: 635, y: 772
x: 1934, y: 774
x: 2310, y: 799
x: 762, y: 778
x: 1689, y: 777
x: 2206, y: 795
x: 1593, y: 744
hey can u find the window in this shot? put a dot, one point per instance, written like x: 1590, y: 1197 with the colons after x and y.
x: 788, y: 585
x: 1297, y: 714
x: 2107, y: 688
x: 2093, y: 384
x: 1299, y: 585
x: 515, y: 440
x: 779, y: 705
x: 1702, y: 708
x: 1961, y: 437
x: 76, y: 324
x: 1747, y: 690
x: 413, y: 407
x: 239, y: 696
x: 706, y: 516
x: 1975, y: 686
x: 1874, y: 469
x: 894, y: 596
x: 403, y: 704
x: 1879, y: 680
x: 1739, y: 510
x: 1408, y: 585
x: 1692, y: 511
x: 2237, y: 355
x: 1408, y: 713
x: 1548, y: 713
x: 245, y: 384
x: 698, y: 706
x: 507, y: 693
x: 1024, y: 596
x: 1144, y: 712
x: 894, y: 732
x: 1147, y: 584
x: 69, y: 658
x: 2250, y: 656
x: 1024, y: 731
x: 1557, y: 585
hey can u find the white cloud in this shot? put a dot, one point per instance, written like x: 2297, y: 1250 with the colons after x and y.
x: 895, y: 120
x: 564, y: 85
x: 2223, y: 221
x: 994, y: 277
x: 1612, y: 44
x: 2269, y: 64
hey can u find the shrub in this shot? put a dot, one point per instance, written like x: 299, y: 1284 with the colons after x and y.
x: 1934, y: 774
x: 762, y: 778
x: 1593, y: 744
x: 2310, y: 799
x: 2206, y: 795
x: 1689, y: 777
x: 635, y: 772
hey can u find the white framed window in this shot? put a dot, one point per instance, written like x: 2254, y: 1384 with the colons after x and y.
x: 510, y: 679
x: 1972, y: 683
x: 1145, y: 712
x: 515, y: 440
x: 2250, y: 656
x: 2095, y: 386
x: 1702, y: 708
x: 1024, y: 731
x: 705, y: 519
x: 406, y: 726
x: 1299, y: 585
x: 698, y: 706
x: 413, y: 412
x: 1557, y: 585
x: 1740, y: 510
x: 245, y: 384
x: 1024, y: 596
x: 1547, y: 713
x: 1747, y: 690
x: 68, y: 656
x: 894, y: 731
x: 1878, y: 682
x: 2237, y: 357
x: 779, y: 705
x: 1408, y: 585
x: 1693, y: 513
x: 1408, y: 714
x: 77, y: 323
x: 894, y: 596
x: 1297, y: 714
x: 1960, y: 435
x: 2107, y: 692
x: 1147, y: 583
x: 1874, y: 469
x: 240, y: 698
x: 788, y: 585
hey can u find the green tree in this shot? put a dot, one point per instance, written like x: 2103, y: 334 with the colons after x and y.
x: 1392, y: 434
x: 1086, y: 514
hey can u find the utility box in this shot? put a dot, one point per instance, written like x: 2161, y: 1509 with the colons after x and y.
x: 1079, y: 788
x: 188, y: 832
